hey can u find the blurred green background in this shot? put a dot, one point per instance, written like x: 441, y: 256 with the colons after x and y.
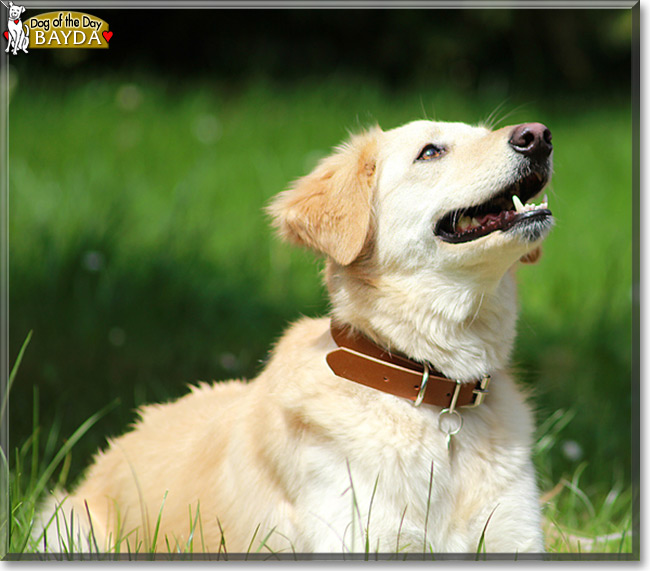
x: 142, y: 260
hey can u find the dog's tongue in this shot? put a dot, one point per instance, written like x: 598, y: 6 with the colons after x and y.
x: 487, y: 218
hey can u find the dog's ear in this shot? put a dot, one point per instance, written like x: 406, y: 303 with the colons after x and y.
x: 22, y: 9
x: 329, y: 210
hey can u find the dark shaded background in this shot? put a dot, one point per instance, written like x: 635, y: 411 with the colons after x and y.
x: 513, y: 51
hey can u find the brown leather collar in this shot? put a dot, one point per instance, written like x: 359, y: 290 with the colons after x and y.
x: 361, y: 360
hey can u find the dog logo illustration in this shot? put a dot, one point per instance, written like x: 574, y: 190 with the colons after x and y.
x: 60, y: 29
x: 17, y: 34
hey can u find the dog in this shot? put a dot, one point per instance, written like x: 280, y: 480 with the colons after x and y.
x: 393, y: 424
x: 18, y: 35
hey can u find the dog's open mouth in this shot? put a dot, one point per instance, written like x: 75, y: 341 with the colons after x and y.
x: 506, y: 210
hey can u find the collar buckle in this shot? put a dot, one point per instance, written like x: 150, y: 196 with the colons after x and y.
x: 480, y: 392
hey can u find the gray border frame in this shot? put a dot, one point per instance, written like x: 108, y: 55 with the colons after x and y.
x: 634, y: 5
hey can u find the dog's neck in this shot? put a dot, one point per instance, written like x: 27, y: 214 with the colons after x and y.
x: 462, y: 329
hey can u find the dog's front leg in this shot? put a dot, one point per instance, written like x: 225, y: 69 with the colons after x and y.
x: 512, y: 523
x: 21, y: 45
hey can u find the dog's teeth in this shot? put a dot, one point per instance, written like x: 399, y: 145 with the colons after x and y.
x: 464, y: 223
x: 475, y: 223
x: 519, y: 207
x: 544, y: 204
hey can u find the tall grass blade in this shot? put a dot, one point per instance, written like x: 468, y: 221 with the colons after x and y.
x: 250, y: 545
x: 92, y: 528
x: 481, y: 543
x: 367, y: 531
x: 156, y: 530
x: 355, y: 506
x: 426, y: 516
x: 222, y: 543
x: 622, y: 542
x: 35, y: 435
x: 189, y: 544
x: 68, y: 445
x: 13, y: 373
x: 399, y: 530
x: 5, y: 523
x: 263, y: 544
x: 550, y: 429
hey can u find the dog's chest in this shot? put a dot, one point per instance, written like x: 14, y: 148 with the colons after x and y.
x: 395, y: 484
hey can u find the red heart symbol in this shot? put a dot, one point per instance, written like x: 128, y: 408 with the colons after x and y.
x: 107, y: 36
x: 16, y: 21
x: 6, y: 35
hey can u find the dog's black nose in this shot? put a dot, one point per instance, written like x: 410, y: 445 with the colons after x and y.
x: 532, y: 140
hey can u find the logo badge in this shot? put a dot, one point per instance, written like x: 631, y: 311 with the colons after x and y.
x: 54, y: 30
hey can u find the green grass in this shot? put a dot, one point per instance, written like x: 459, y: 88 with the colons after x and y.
x: 573, y: 523
x: 141, y: 259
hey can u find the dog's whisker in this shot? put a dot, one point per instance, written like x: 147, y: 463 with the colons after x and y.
x: 478, y: 310
x: 491, y: 119
x: 510, y: 113
x: 424, y: 111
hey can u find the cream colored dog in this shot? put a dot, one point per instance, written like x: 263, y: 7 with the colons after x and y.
x: 422, y: 227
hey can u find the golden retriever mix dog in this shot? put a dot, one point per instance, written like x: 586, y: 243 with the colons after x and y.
x: 391, y: 425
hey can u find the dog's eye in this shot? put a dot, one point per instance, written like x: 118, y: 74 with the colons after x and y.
x: 429, y: 152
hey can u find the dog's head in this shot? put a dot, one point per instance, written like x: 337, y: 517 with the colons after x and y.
x: 15, y: 11
x: 444, y: 195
